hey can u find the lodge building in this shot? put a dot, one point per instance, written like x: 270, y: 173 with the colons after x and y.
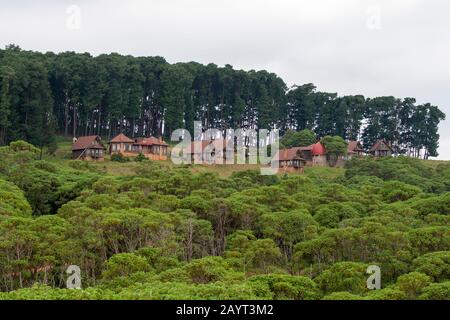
x: 381, y: 148
x: 316, y: 155
x: 290, y: 160
x: 355, y: 149
x: 151, y: 147
x: 89, y: 148
x: 210, y: 151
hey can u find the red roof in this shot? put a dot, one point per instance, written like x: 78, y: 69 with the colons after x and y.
x: 318, y: 149
x: 354, y: 146
x: 121, y: 138
x: 381, y: 145
x: 150, y: 141
x: 87, y: 142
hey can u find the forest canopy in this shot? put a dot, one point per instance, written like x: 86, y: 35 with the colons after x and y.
x: 77, y: 94
x: 165, y: 232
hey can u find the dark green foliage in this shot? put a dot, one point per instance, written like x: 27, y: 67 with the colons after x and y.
x: 124, y: 264
x: 118, y: 157
x: 302, y: 138
x: 407, y: 170
x: 435, y: 265
x: 436, y: 291
x: 140, y: 157
x: 78, y: 94
x: 343, y: 276
x: 169, y: 233
x: 13, y: 202
x: 336, y: 146
x: 413, y: 283
x: 288, y: 287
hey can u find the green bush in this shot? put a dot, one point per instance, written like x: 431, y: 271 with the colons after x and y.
x: 118, y: 157
x: 140, y: 157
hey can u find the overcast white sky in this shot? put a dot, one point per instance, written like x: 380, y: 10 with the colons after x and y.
x: 374, y: 48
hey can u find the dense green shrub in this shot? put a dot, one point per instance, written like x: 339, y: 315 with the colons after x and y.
x: 118, y: 157
x: 140, y: 157
x: 165, y: 232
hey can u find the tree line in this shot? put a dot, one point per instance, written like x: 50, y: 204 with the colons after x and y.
x: 76, y: 94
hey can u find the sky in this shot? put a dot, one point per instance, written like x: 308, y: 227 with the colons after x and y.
x: 395, y: 48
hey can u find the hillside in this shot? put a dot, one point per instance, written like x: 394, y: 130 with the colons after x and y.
x: 152, y: 230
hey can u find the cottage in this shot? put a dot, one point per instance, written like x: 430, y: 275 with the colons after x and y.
x: 88, y: 148
x: 315, y: 154
x: 209, y: 151
x: 381, y: 149
x: 354, y: 148
x: 289, y: 160
x: 152, y: 148
x: 121, y: 144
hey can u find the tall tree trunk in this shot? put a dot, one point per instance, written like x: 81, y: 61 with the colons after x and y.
x: 74, y: 120
x: 66, y: 112
x: 99, y: 128
x: 109, y: 127
x: 86, y: 125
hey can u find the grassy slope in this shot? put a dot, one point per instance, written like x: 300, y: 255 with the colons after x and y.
x: 64, y: 153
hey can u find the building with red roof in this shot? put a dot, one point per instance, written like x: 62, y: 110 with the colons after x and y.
x: 354, y: 148
x: 314, y: 154
x: 210, y: 151
x: 290, y: 160
x: 120, y: 144
x: 381, y: 148
x: 151, y: 147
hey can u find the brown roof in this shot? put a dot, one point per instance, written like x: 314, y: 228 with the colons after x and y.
x: 121, y: 138
x: 354, y: 146
x: 289, y: 154
x: 150, y: 141
x: 87, y: 142
x: 379, y: 146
